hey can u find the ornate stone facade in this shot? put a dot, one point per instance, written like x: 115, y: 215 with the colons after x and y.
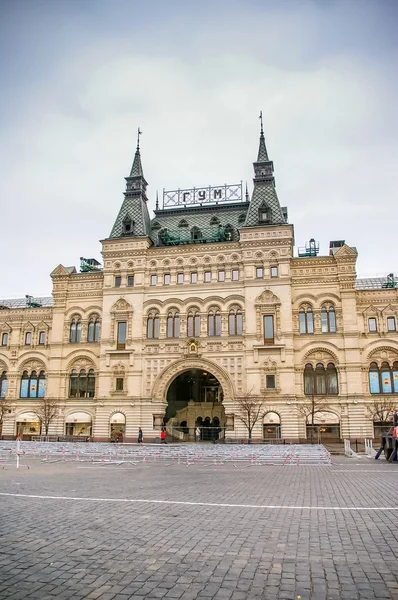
x: 295, y: 313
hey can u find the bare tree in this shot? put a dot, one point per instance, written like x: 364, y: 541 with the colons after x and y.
x: 251, y: 409
x: 5, y: 412
x: 47, y: 410
x: 382, y: 410
x: 315, y: 404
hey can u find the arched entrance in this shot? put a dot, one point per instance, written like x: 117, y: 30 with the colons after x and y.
x: 27, y: 425
x: 194, y: 406
x: 271, y: 426
x: 117, y: 427
x: 326, y: 427
x: 78, y: 424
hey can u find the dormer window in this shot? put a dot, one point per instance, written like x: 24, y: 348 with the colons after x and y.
x: 127, y: 226
x: 264, y: 214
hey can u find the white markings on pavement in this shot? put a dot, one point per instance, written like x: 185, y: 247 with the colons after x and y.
x: 214, y: 504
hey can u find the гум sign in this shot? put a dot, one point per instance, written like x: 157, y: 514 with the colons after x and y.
x: 204, y: 195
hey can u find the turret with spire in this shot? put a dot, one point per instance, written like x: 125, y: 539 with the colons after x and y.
x: 133, y: 218
x: 264, y: 206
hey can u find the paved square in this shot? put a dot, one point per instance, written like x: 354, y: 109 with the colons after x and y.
x: 199, y: 530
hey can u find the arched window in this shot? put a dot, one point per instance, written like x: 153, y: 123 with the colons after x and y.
x: 173, y: 325
x: 183, y: 223
x: 306, y: 319
x: 320, y: 381
x: 235, y: 322
x: 193, y: 323
x: 152, y: 327
x: 82, y: 383
x: 75, y: 330
x: 3, y: 384
x: 93, y: 332
x: 383, y: 380
x: 196, y: 234
x: 214, y: 221
x: 328, y: 319
x: 241, y: 218
x: 214, y: 323
x: 33, y: 385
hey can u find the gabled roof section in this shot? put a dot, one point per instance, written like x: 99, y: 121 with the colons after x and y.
x: 61, y: 270
x: 264, y: 206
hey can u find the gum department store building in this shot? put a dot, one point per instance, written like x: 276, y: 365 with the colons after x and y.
x: 193, y: 309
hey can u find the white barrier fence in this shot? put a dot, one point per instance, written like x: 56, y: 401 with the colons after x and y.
x: 187, y: 454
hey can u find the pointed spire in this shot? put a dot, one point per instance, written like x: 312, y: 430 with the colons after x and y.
x: 136, y: 169
x: 264, y: 208
x: 262, y: 150
x: 247, y: 194
x: 157, y: 200
x: 133, y: 219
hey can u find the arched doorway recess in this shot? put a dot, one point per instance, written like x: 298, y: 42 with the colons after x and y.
x: 194, y: 405
x: 195, y: 393
x: 117, y: 424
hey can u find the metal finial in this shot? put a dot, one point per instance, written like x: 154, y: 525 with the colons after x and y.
x: 247, y: 193
x: 261, y: 121
x: 157, y: 200
x: 138, y: 138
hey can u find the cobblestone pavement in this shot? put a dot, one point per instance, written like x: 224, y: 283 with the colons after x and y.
x: 199, y: 531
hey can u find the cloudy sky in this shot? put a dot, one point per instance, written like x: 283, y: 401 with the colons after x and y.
x: 79, y: 76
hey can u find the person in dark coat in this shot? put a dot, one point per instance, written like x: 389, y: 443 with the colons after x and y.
x: 139, y: 435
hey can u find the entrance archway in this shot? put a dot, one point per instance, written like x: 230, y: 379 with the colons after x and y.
x: 117, y: 424
x: 194, y: 406
x: 326, y: 426
x: 272, y: 426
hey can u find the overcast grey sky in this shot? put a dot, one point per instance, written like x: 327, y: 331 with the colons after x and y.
x: 79, y: 76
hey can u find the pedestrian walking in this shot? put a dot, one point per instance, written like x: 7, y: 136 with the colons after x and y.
x: 197, y: 431
x: 163, y: 436
x: 139, y: 435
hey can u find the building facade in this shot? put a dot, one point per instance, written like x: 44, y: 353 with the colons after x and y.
x: 195, y: 309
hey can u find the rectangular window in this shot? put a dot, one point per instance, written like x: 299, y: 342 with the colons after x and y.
x: 28, y: 338
x: 259, y: 272
x: 235, y: 274
x: 270, y: 382
x: 386, y: 382
x: 391, y: 326
x: 374, y: 382
x: 4, y: 339
x: 372, y: 324
x: 42, y: 338
x: 154, y: 279
x: 130, y: 281
x: 274, y: 271
x: 119, y: 384
x: 194, y: 278
x: 118, y: 281
x: 268, y: 329
x: 221, y: 275
x: 166, y: 279
x: 180, y: 278
x: 207, y: 276
x: 121, y: 335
